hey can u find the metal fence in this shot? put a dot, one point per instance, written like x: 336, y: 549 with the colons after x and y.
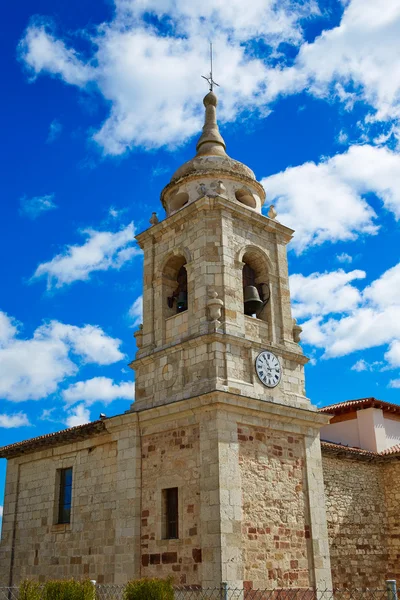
x: 116, y: 592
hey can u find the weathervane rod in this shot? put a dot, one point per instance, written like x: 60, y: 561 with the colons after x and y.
x: 210, y: 79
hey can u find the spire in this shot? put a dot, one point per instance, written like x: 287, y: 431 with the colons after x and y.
x: 211, y: 141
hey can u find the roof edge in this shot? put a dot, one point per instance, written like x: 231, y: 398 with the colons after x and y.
x: 49, y: 440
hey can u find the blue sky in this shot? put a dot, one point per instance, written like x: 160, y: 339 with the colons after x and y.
x: 102, y: 103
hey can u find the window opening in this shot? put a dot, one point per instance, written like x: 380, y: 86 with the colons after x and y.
x: 255, y: 295
x: 170, y: 501
x: 180, y: 295
x: 65, y: 496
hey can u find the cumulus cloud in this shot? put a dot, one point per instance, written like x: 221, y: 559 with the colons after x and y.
x: 15, y: 420
x: 103, y: 250
x: 145, y: 71
x: 33, y: 368
x: 79, y: 415
x: 359, y: 58
x: 41, y: 51
x: 344, y: 258
x: 370, y: 319
x: 135, y: 312
x: 326, y: 201
x: 33, y: 207
x: 324, y: 293
x: 394, y: 383
x: 147, y: 75
x: 98, y: 389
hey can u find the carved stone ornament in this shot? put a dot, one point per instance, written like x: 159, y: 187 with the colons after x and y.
x: 272, y: 214
x: 153, y: 219
x: 217, y: 189
x: 296, y: 331
x: 138, y: 335
x: 214, y: 305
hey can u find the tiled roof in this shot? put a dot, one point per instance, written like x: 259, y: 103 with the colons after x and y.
x: 350, y: 405
x: 333, y: 448
x: 341, y: 449
x: 58, y: 438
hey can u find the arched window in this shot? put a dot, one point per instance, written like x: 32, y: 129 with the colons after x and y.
x: 255, y: 281
x: 175, y: 286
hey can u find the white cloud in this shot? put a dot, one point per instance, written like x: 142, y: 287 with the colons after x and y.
x: 148, y: 75
x: 102, y: 251
x: 392, y: 356
x: 359, y: 57
x: 98, y: 389
x: 325, y: 201
x: 394, y: 383
x: 363, y: 365
x: 41, y: 51
x: 360, y: 365
x: 55, y: 130
x: 33, y: 368
x: 33, y: 207
x: 373, y: 321
x: 136, y: 311
x: 79, y: 415
x: 150, y: 78
x: 15, y: 420
x: 324, y: 293
x: 344, y: 258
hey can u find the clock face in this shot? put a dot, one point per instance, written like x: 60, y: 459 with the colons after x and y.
x: 268, y: 368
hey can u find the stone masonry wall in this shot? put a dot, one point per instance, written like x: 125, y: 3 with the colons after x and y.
x: 391, y: 476
x: 275, y: 530
x: 357, y: 525
x: 171, y: 459
x: 86, y: 547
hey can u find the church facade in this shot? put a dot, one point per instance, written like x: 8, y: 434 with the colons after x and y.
x: 215, y: 473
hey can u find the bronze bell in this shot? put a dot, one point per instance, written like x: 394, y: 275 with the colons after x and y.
x: 181, y: 303
x: 252, y: 301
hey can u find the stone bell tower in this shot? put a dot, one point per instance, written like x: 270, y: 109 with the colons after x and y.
x: 218, y: 352
x: 213, y: 247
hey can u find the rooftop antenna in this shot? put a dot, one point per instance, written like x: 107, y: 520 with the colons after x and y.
x: 210, y: 79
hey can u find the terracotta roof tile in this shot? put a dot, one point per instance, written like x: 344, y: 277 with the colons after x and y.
x: 340, y: 448
x: 350, y: 405
x: 57, y: 438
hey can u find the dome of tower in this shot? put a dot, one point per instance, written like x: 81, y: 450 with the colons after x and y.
x: 211, y: 150
x: 211, y: 168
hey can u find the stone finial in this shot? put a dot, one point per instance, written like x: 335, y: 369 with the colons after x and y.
x: 138, y: 335
x: 272, y: 214
x: 214, y: 305
x: 153, y: 219
x: 296, y: 332
x: 211, y: 141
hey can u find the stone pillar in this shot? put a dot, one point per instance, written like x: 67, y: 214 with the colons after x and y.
x: 128, y: 500
x: 221, y: 501
x: 318, y: 526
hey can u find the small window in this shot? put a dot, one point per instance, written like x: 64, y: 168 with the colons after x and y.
x: 170, y: 517
x: 65, y: 496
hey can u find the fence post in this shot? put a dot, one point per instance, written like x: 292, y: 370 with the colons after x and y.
x: 224, y: 591
x: 391, y: 589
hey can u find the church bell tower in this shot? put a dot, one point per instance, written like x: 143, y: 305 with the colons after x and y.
x: 219, y: 364
x: 216, y: 288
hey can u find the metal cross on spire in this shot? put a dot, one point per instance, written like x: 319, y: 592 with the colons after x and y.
x: 210, y: 79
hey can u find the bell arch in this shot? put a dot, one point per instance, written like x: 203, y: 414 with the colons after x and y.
x: 256, y: 269
x: 174, y: 285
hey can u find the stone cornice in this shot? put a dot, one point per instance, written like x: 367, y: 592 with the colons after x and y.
x: 221, y: 337
x: 206, y: 203
x: 233, y: 403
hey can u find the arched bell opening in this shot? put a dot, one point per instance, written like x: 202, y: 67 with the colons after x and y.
x: 175, y: 286
x: 256, y: 289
